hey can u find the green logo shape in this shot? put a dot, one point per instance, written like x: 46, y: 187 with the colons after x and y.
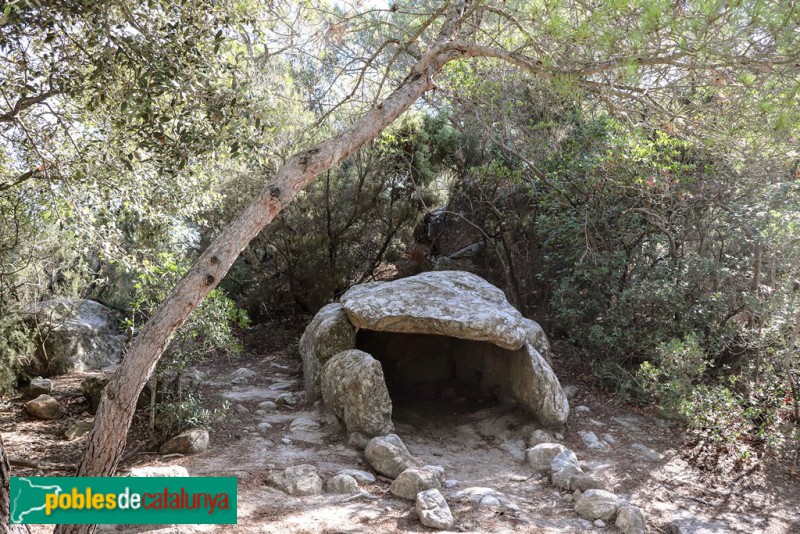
x: 123, y: 500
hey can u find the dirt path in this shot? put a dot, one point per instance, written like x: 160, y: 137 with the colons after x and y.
x: 479, y: 445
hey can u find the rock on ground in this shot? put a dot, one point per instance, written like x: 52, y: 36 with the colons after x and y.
x: 591, y: 440
x: 432, y: 510
x: 192, y: 441
x: 597, y: 504
x: 78, y: 335
x: 362, y: 477
x: 485, y: 497
x: 298, y: 480
x: 39, y: 386
x: 563, y: 468
x: 45, y: 407
x: 353, y: 388
x: 159, y: 471
x: 538, y: 437
x: 541, y: 456
x: 412, y: 481
x: 304, y: 424
x: 78, y: 430
x: 244, y: 374
x: 631, y: 520
x: 329, y: 333
x: 389, y: 456
x: 342, y: 483
x: 585, y: 482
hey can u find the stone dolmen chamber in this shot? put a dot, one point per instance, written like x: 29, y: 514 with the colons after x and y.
x: 426, y: 330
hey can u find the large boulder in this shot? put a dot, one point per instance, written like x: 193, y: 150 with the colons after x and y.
x: 45, y: 407
x: 353, y: 388
x: 329, y: 333
x: 73, y: 335
x: 447, y: 303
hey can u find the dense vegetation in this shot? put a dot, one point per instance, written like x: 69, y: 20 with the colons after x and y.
x: 649, y: 218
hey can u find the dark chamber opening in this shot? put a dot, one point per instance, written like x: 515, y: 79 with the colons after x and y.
x: 425, y: 367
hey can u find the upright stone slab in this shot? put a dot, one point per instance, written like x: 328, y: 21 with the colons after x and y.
x: 354, y: 389
x: 536, y: 387
x: 328, y: 333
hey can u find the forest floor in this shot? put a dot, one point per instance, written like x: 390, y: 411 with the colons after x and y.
x: 651, y: 463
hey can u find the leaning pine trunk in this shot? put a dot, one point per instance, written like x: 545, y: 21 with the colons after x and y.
x: 114, y: 414
x: 5, y: 502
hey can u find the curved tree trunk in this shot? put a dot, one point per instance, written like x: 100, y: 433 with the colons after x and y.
x: 106, y: 441
x: 5, y: 502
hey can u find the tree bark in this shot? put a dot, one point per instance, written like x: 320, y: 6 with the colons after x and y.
x: 106, y: 440
x: 5, y: 502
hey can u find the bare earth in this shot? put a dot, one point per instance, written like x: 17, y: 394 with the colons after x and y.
x: 478, y: 444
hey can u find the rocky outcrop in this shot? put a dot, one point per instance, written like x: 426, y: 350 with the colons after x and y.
x: 354, y: 389
x: 329, y: 333
x: 73, y: 335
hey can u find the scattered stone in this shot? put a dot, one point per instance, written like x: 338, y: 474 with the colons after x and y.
x: 541, y: 456
x: 450, y: 483
x: 45, y: 407
x: 647, y: 452
x: 353, y: 387
x: 591, y: 440
x: 559, y: 436
x: 263, y: 427
x: 362, y: 477
x: 518, y: 478
x: 192, y: 441
x: 570, y: 391
x: 159, y: 471
x: 342, y: 483
x: 78, y: 430
x: 563, y: 467
x: 242, y: 410
x: 600, y: 523
x: 585, y: 482
x: 433, y: 510
x: 630, y: 422
x: 260, y: 413
x: 568, y: 497
x: 608, y: 438
x: 412, y: 481
x: 287, y: 399
x: 286, y: 441
x: 298, y: 480
x: 631, y: 520
x: 39, y: 386
x: 597, y: 504
x: 485, y: 497
x: 538, y: 437
x: 695, y: 525
x: 303, y: 424
x: 437, y: 470
x: 267, y: 406
x: 389, y: 456
x: 582, y: 409
x: 243, y: 373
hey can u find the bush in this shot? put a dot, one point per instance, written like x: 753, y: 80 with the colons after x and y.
x: 15, y: 347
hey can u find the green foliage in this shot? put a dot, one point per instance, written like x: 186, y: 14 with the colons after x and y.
x: 671, y: 380
x: 208, y: 331
x: 175, y: 414
x: 15, y: 347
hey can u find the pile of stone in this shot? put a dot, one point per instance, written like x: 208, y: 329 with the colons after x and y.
x: 593, y: 499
